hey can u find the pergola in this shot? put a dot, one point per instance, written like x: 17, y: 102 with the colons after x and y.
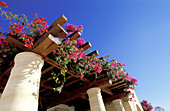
x: 75, y: 89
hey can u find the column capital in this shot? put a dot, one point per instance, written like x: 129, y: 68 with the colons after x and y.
x: 95, y: 98
x: 28, y: 56
x: 93, y: 91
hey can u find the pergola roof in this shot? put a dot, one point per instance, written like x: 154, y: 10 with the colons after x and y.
x: 74, y: 89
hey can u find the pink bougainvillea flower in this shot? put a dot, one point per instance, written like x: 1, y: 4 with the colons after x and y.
x: 80, y: 41
x: 81, y: 77
x: 86, y: 67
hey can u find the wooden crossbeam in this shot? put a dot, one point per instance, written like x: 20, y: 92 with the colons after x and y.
x: 77, y: 93
x: 48, y: 69
x: 75, y: 35
x: 20, y: 45
x: 45, y: 81
x: 50, y: 42
x: 58, y: 31
x: 106, y: 90
x: 42, y: 46
x: 95, y: 53
x: 72, y: 95
x: 118, y: 86
x: 102, y: 59
x: 118, y: 96
x: 121, y: 81
x: 61, y: 20
x: 86, y: 46
x: 71, y: 82
x: 50, y: 61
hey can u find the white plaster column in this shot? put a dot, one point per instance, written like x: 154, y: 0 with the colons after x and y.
x: 95, y: 99
x: 117, y: 105
x: 22, y: 89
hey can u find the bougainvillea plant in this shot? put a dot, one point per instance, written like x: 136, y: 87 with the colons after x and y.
x: 146, y: 106
x: 69, y: 53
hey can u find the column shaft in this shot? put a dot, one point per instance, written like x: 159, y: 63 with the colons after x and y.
x: 95, y: 99
x: 117, y: 105
x: 22, y: 89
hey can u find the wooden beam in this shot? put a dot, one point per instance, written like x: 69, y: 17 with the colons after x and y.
x: 118, y: 96
x: 95, y: 53
x: 118, y: 82
x: 42, y: 46
x: 50, y: 61
x: 58, y: 31
x: 20, y: 45
x: 43, y: 90
x: 102, y: 59
x: 71, y: 82
x: 77, y: 93
x: 84, y: 97
x: 118, y: 86
x: 50, y: 49
x: 71, y: 96
x: 61, y: 20
x: 75, y: 35
x: 86, y: 46
x: 107, y: 91
x: 46, y: 70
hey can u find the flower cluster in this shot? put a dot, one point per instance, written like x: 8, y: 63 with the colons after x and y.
x: 3, y: 4
x: 70, y: 28
x: 39, y: 25
x: 24, y: 31
x: 7, y: 52
x: 146, y: 106
x: 72, y: 56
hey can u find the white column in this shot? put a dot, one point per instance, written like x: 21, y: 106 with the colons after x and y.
x: 22, y: 89
x: 95, y: 99
x: 117, y: 105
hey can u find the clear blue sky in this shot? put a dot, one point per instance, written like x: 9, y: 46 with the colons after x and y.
x: 135, y: 32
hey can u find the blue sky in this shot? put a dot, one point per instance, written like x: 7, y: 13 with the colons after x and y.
x: 134, y: 32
